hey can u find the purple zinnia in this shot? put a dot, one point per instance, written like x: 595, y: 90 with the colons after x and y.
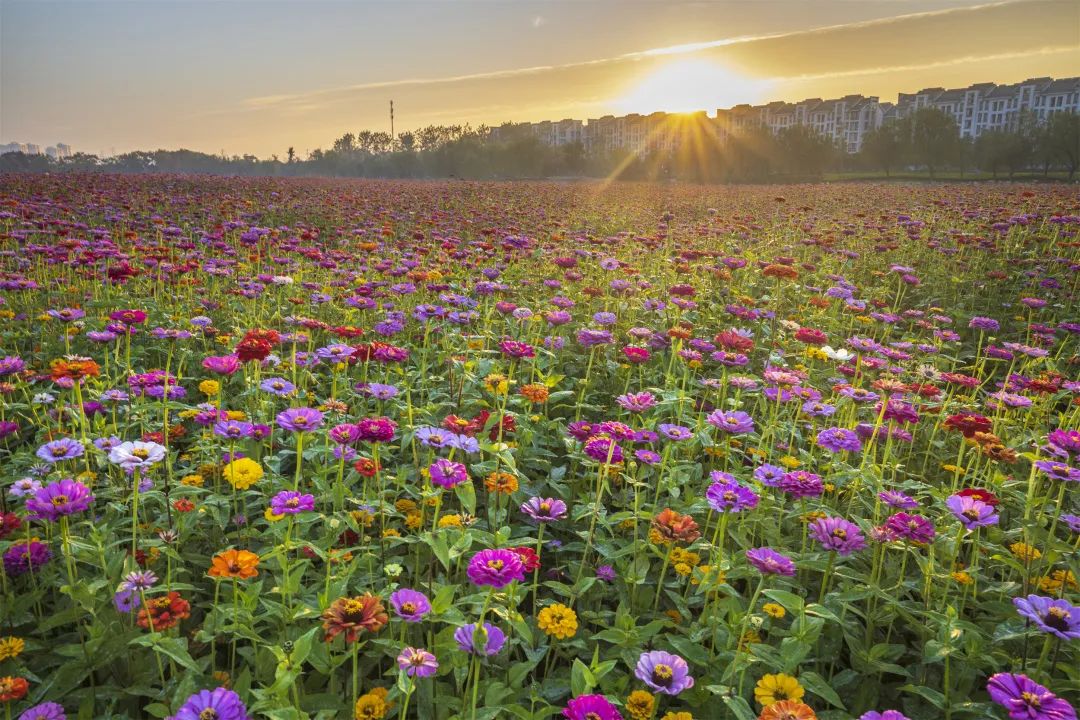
x: 44, y: 711
x: 492, y: 638
x: 971, y: 512
x: 290, y: 502
x: 497, y: 568
x: 735, y: 422
x: 217, y: 704
x: 277, y: 386
x: 603, y: 449
x: 910, y: 527
x: 636, y: 402
x: 770, y: 562
x: 1025, y: 699
x: 591, y: 707
x: 730, y: 497
x: 663, y: 672
x: 544, y: 510
x: 887, y: 715
x: 300, y: 419
x: 838, y: 535
x: 839, y: 439
x: 898, y: 500
x: 65, y: 497
x: 59, y: 450
x: 677, y: 433
x: 447, y: 473
x: 27, y: 556
x: 417, y: 662
x: 1051, y: 615
x: 410, y: 605
x: 802, y: 484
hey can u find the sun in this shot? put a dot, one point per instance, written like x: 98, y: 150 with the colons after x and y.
x: 690, y: 85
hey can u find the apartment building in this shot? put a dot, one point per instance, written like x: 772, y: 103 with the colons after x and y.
x: 847, y: 120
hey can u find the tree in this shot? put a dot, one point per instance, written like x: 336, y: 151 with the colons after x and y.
x: 885, y: 146
x: 934, y: 138
x: 804, y: 151
x: 1061, y: 139
x: 291, y: 154
x: 406, y: 141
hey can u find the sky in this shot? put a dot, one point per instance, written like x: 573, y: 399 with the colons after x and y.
x: 259, y: 76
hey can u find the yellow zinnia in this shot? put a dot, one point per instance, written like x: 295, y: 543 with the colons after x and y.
x: 558, y: 620
x: 242, y: 473
x: 10, y: 647
x: 774, y: 688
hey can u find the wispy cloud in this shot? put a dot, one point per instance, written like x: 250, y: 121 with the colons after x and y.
x: 306, y: 98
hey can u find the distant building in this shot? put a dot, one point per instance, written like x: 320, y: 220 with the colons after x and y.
x: 57, y: 152
x: 976, y: 109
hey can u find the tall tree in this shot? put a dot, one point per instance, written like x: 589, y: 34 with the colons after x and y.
x: 884, y: 146
x: 1062, y: 140
x: 934, y: 138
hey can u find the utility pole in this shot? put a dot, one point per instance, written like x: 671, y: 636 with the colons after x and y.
x: 391, y: 120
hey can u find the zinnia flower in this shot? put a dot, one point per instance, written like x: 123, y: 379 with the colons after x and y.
x: 44, y: 711
x: 770, y: 562
x: 663, y: 672
x: 290, y: 502
x: 788, y: 710
x: 497, y: 568
x: 1055, y: 616
x: 591, y: 707
x: 240, y: 564
x: 417, y: 663
x: 837, y: 535
x: 300, y: 419
x: 772, y: 689
x: 65, y: 497
x: 491, y: 637
x: 354, y: 615
x: 1025, y: 699
x: 242, y: 473
x: 217, y: 704
x: 410, y: 605
x: 558, y: 620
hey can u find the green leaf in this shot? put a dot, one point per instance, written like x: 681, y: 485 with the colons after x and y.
x: 581, y: 678
x: 817, y: 685
x: 791, y: 602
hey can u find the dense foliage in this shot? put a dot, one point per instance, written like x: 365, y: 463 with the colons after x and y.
x: 329, y: 449
x: 927, y: 141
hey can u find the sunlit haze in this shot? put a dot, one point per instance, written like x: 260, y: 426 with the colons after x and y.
x: 258, y: 77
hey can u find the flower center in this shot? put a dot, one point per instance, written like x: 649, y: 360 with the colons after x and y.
x: 408, y: 608
x: 1056, y: 618
x: 59, y: 500
x: 141, y: 453
x: 1030, y: 699
x: 496, y: 564
x: 840, y: 533
x: 209, y: 714
x: 292, y: 502
x: 662, y: 674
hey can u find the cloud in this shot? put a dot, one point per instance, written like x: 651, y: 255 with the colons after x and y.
x: 945, y: 37
x: 539, y: 21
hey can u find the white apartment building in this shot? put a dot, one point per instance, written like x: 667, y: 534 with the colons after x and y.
x: 976, y: 109
x: 57, y: 152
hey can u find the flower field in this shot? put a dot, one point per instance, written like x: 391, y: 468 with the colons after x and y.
x: 333, y: 449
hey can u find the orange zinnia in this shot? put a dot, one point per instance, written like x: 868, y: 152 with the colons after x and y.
x: 235, y: 564
x: 788, y: 710
x: 73, y: 367
x: 354, y: 615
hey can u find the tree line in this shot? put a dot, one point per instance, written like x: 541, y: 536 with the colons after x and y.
x: 927, y: 141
